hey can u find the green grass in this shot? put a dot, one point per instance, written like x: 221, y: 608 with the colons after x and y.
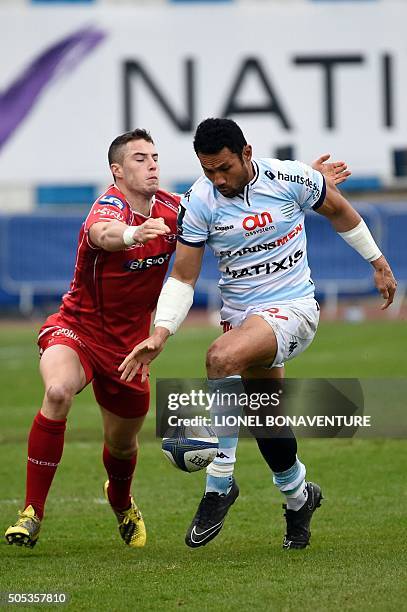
x: 357, y: 554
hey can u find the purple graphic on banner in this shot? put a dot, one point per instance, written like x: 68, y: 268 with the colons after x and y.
x: 20, y: 97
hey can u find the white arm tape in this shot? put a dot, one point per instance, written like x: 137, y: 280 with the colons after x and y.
x: 360, y: 239
x: 173, y: 304
x: 128, y: 235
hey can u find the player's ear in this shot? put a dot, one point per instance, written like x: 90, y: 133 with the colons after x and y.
x: 116, y: 170
x: 247, y: 153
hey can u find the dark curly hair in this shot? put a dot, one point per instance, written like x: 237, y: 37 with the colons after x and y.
x: 212, y: 135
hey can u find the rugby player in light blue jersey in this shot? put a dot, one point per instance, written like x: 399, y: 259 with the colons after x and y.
x: 250, y: 212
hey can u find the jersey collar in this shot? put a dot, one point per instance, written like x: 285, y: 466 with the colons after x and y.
x: 250, y: 186
x: 136, y: 212
x: 256, y: 174
x: 244, y: 195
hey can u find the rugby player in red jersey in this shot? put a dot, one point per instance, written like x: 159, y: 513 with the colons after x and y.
x: 124, y: 248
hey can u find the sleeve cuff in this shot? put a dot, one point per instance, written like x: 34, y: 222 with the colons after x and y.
x: 201, y: 243
x: 322, y: 196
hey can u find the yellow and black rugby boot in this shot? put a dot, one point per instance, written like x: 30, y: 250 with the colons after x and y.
x: 131, y: 524
x: 26, y: 530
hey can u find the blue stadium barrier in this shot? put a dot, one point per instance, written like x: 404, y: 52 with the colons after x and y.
x: 394, y: 232
x: 37, y: 255
x: 394, y: 238
x: 63, y: 195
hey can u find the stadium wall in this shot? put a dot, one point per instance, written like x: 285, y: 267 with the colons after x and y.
x: 76, y: 76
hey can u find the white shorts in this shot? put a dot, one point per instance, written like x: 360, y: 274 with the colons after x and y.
x: 294, y: 323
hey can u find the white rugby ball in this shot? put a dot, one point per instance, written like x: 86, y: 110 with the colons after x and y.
x: 190, y: 448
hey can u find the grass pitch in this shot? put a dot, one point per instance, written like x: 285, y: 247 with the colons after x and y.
x: 357, y: 554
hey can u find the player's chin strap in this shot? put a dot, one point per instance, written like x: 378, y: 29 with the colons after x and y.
x: 173, y: 304
x: 362, y: 241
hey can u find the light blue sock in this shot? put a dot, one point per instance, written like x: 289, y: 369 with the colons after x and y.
x: 219, y: 477
x: 292, y: 484
x: 218, y: 484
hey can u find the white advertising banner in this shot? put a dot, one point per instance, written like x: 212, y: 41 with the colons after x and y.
x: 316, y: 78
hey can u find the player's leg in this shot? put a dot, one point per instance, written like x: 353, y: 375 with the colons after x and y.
x: 230, y: 354
x: 279, y: 450
x: 279, y: 447
x: 120, y: 454
x: 257, y: 344
x: 63, y: 375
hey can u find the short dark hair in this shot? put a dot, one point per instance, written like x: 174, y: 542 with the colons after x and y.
x: 115, y: 150
x: 212, y: 135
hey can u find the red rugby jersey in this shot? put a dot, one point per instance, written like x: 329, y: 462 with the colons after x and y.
x: 113, y: 294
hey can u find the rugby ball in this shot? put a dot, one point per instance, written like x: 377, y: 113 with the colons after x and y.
x: 190, y: 448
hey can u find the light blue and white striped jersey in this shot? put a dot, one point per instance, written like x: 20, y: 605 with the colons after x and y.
x: 257, y: 236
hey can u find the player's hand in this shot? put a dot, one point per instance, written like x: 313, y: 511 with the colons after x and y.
x: 335, y: 171
x: 150, y: 229
x: 384, y: 280
x: 140, y: 357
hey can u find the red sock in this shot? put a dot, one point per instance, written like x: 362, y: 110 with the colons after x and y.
x: 120, y: 472
x: 45, y: 446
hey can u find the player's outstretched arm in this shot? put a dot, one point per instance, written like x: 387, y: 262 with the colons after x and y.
x: 116, y: 236
x: 336, y: 171
x: 351, y: 227
x: 173, y: 305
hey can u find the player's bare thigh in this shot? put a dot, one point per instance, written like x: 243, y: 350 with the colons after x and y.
x: 121, y: 433
x: 63, y: 376
x: 252, y: 344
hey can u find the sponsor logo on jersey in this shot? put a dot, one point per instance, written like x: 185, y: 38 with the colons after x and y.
x: 269, y: 267
x: 113, y: 201
x: 270, y: 175
x: 108, y: 212
x: 268, y: 246
x: 170, y: 238
x: 301, y: 180
x: 259, y: 223
x: 139, y: 265
x: 260, y: 220
x: 223, y: 228
x: 67, y: 333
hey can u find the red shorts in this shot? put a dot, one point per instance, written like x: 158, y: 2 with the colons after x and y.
x: 100, y: 363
